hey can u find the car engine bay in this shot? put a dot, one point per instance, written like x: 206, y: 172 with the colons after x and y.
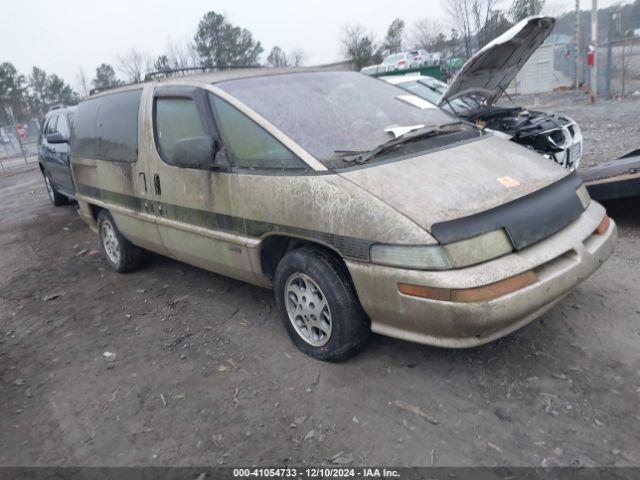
x: 554, y: 136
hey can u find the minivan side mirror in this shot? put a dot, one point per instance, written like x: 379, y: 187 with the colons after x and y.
x: 196, y: 152
x: 57, y: 138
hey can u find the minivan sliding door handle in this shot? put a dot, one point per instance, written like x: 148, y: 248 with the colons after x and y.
x: 156, y: 184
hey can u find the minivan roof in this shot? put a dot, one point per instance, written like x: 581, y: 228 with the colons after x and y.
x: 215, y: 77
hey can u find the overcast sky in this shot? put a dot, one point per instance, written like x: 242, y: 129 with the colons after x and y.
x: 62, y: 36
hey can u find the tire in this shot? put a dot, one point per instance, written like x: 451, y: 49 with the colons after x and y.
x: 57, y: 199
x: 310, y: 272
x: 122, y: 255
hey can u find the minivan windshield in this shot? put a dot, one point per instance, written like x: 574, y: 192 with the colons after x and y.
x: 329, y: 112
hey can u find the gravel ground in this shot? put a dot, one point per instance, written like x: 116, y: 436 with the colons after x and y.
x: 204, y: 373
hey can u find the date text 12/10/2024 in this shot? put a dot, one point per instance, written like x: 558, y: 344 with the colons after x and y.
x: 320, y: 472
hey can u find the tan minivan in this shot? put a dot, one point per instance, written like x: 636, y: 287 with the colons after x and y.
x: 363, y: 206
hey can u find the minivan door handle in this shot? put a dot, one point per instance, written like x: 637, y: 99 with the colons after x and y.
x: 156, y: 184
x: 144, y: 180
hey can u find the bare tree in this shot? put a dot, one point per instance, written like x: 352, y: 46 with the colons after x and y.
x: 297, y: 57
x: 521, y: 9
x: 475, y: 19
x: 359, y: 47
x: 426, y: 33
x: 182, y: 54
x: 134, y: 65
x: 460, y: 13
x: 552, y: 9
x: 482, y: 12
x: 83, y: 82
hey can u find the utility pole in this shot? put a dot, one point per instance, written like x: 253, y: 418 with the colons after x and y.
x: 593, y: 94
x: 578, y: 49
x: 609, y: 55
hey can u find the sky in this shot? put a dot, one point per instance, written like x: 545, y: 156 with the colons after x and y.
x: 63, y: 36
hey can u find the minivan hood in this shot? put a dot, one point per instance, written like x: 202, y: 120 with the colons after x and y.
x: 457, y: 182
x: 491, y: 70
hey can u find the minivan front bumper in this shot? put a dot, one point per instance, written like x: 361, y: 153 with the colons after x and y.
x: 560, y: 262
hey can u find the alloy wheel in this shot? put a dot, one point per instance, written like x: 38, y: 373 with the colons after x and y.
x: 308, y: 309
x: 110, y: 241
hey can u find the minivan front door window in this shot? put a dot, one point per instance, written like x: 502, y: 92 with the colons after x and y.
x: 177, y: 119
x: 251, y: 145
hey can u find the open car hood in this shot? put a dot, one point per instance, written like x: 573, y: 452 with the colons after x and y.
x: 490, y: 71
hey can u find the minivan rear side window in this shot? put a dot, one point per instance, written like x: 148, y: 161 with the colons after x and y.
x: 106, y: 127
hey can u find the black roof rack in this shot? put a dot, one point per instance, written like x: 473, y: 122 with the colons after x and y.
x: 188, y: 70
x: 173, y: 72
x: 58, y: 107
x: 93, y: 91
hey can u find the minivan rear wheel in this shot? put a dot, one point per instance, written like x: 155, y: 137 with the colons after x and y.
x: 121, y: 254
x: 57, y: 199
x: 319, y: 305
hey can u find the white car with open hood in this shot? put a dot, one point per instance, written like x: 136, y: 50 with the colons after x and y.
x: 484, y: 78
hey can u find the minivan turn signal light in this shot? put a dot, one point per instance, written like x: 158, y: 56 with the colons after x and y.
x: 604, y: 225
x: 469, y: 295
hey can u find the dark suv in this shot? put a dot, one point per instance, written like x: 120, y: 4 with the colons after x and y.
x: 53, y: 155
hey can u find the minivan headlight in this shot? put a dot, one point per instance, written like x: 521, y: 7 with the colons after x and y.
x: 584, y: 196
x: 419, y: 257
x: 443, y: 257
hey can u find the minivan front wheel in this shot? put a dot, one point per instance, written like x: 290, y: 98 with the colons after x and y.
x: 121, y: 254
x: 319, y: 306
x: 56, y: 198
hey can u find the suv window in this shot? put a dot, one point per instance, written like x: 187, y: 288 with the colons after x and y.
x: 175, y: 119
x: 106, y: 127
x: 50, y: 127
x: 250, y: 145
x: 62, y: 126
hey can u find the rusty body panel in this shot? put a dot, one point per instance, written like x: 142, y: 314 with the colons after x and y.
x: 220, y: 219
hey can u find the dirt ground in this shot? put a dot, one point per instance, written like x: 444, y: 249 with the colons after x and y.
x: 205, y: 374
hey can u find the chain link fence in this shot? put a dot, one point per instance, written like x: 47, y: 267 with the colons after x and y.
x: 617, y: 57
x: 18, y: 146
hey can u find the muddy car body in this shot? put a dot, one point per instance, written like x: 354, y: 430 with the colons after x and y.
x: 360, y: 207
x: 484, y: 79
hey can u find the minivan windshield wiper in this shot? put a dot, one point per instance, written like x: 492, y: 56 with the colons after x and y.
x: 413, y: 135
